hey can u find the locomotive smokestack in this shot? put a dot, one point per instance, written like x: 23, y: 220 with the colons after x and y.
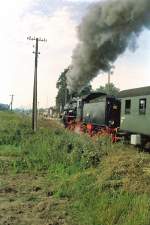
x: 109, y: 28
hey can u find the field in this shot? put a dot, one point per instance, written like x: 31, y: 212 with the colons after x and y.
x: 56, y: 177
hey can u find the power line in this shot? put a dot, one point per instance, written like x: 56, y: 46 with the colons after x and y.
x: 34, y: 109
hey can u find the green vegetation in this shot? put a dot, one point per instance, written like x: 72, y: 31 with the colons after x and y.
x: 63, y: 95
x: 109, y: 89
x: 90, y: 181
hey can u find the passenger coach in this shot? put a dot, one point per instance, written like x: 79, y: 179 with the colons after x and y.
x: 135, y: 114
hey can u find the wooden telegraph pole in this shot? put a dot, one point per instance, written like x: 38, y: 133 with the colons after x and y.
x: 34, y: 109
x: 11, y: 102
x: 110, y: 72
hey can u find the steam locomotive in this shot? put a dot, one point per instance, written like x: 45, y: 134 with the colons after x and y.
x: 125, y: 116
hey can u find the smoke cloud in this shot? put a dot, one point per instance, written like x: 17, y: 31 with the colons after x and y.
x: 108, y: 29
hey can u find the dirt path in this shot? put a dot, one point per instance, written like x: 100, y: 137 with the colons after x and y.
x: 28, y: 200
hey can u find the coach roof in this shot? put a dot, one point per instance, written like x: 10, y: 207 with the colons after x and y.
x: 134, y: 92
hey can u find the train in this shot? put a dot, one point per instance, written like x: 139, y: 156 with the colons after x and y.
x: 123, y: 117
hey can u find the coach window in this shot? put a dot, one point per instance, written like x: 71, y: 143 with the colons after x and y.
x: 128, y: 106
x: 142, y: 106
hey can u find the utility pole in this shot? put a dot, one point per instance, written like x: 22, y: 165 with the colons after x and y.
x: 34, y: 109
x: 11, y: 102
x: 110, y: 72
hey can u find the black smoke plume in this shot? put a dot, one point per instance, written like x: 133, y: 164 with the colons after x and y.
x: 109, y: 28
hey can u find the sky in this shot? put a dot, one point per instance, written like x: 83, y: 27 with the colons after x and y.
x: 57, y: 21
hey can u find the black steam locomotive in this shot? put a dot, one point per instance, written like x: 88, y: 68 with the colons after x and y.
x: 127, y: 114
x: 93, y: 113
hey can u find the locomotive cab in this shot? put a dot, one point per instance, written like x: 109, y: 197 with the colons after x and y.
x: 113, y: 107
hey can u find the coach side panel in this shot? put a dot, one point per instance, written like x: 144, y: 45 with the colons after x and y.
x: 135, y: 114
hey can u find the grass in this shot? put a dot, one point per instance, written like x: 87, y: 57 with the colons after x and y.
x: 100, y: 183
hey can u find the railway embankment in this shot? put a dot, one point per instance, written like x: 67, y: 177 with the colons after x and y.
x: 57, y: 177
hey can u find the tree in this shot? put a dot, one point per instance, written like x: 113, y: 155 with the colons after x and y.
x: 109, y: 89
x: 63, y: 93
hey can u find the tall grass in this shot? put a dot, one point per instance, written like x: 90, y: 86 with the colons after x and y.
x: 105, y: 184
x: 47, y: 147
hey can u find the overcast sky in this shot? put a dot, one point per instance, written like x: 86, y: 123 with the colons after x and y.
x: 56, y: 20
